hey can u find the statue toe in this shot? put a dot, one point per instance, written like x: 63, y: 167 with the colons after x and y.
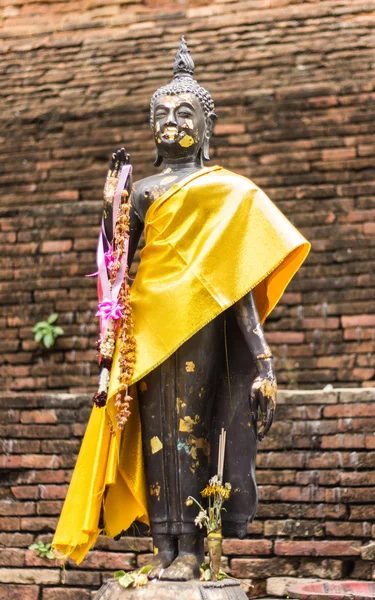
x: 184, y: 568
x: 158, y: 563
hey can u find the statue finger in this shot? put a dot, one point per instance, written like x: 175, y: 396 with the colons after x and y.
x: 123, y: 157
x: 254, y: 406
x: 117, y: 162
x: 268, y: 421
x: 112, y: 162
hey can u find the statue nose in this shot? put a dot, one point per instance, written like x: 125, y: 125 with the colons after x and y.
x: 171, y: 119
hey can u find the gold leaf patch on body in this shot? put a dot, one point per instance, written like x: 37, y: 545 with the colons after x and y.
x: 155, y: 491
x: 156, y: 444
x: 179, y: 404
x: 190, y: 366
x: 187, y: 423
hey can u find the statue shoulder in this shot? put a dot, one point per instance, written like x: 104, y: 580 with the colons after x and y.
x: 141, y: 195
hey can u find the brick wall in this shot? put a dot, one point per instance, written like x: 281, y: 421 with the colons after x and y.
x: 293, y: 85
x: 316, y: 516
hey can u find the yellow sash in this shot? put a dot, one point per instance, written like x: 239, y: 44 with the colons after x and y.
x: 209, y: 240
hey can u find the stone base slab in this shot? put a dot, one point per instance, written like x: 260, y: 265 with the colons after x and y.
x: 174, y: 590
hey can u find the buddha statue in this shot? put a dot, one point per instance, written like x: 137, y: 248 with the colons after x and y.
x: 217, y: 257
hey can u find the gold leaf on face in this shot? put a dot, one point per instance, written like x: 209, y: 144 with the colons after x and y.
x: 186, y: 141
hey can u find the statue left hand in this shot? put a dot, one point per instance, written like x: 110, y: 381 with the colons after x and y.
x: 263, y: 397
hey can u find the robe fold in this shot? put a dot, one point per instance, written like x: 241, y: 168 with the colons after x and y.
x: 209, y: 240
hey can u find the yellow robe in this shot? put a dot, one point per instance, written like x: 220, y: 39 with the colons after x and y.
x: 209, y: 240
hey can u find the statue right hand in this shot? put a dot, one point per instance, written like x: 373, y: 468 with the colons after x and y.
x: 118, y: 160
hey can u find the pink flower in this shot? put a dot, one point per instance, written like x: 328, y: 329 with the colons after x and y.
x: 109, y: 309
x: 109, y: 258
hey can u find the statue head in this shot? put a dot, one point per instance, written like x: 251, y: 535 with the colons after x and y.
x: 182, y: 114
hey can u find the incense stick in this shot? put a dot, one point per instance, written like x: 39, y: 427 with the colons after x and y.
x: 221, y: 454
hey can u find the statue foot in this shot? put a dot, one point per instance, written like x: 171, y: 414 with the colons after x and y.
x: 159, y: 562
x: 184, y: 568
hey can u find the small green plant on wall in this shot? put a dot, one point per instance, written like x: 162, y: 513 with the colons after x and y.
x: 46, y: 332
x: 43, y: 550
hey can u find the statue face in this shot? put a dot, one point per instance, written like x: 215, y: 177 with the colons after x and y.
x: 179, y: 126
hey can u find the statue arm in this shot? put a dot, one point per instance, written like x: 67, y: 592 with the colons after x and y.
x: 264, y: 388
x: 118, y: 160
x: 135, y: 230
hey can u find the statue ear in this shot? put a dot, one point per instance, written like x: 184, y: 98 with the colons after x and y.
x: 210, y: 124
x: 158, y: 159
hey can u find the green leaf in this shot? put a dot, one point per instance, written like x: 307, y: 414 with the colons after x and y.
x: 50, y: 555
x: 205, y: 566
x: 39, y: 335
x: 53, y: 318
x: 207, y: 575
x: 47, y: 546
x: 146, y: 569
x: 48, y: 340
x: 42, y: 325
x: 119, y: 574
x: 33, y: 547
x: 126, y: 581
x: 57, y: 331
x: 222, y: 575
x: 41, y: 545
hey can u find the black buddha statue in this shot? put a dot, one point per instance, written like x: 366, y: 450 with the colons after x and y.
x: 217, y: 258
x: 182, y: 118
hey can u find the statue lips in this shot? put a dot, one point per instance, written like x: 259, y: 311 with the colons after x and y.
x: 171, y: 133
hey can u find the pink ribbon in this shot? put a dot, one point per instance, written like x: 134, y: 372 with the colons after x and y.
x: 109, y: 309
x: 109, y: 306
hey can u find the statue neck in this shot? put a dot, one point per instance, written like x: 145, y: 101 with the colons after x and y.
x: 182, y: 166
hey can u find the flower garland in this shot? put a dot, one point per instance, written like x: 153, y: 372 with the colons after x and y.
x: 115, y: 311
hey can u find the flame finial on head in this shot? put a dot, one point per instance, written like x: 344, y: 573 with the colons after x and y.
x: 183, y: 64
x: 183, y: 82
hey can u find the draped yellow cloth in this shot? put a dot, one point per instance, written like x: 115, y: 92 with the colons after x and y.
x: 209, y: 240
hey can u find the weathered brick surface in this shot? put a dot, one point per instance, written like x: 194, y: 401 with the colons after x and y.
x: 316, y: 515
x: 293, y: 85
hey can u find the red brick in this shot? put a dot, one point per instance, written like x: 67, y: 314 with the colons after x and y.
x: 66, y: 594
x: 13, y: 508
x: 9, y: 523
x: 229, y: 128
x: 358, y: 321
x: 109, y: 560
x: 247, y: 547
x: 53, y: 492
x: 321, y: 548
x: 17, y: 592
x: 326, y: 568
x: 25, y: 492
x: 72, y: 195
x: 357, y: 478
x: 347, y: 440
x: 285, y: 337
x: 349, y: 410
x: 360, y: 530
x: 39, y: 524
x: 12, y: 557
x: 39, y: 416
x: 262, y: 567
x: 51, y: 507
x: 16, y: 540
x: 55, y: 246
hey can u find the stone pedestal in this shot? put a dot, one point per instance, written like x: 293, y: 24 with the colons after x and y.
x: 226, y: 589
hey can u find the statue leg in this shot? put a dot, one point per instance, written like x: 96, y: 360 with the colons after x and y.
x: 176, y: 402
